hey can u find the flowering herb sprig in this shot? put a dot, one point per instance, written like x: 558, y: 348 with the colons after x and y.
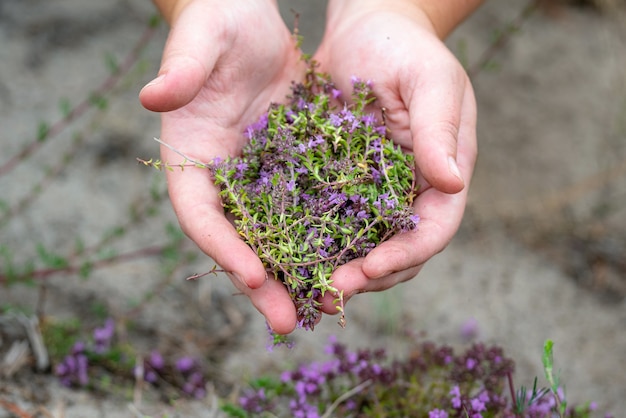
x: 317, y: 186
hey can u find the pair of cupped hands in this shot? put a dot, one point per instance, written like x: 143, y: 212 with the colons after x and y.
x: 225, y: 62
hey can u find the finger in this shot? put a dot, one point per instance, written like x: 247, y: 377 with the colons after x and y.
x: 191, y: 51
x: 274, y: 303
x: 440, y: 213
x: 440, y: 216
x: 435, y: 116
x: 198, y: 207
x: 351, y: 280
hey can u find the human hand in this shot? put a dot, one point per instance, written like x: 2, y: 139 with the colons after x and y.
x: 429, y: 110
x: 223, y: 63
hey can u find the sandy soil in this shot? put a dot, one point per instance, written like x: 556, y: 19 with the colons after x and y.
x: 540, y: 253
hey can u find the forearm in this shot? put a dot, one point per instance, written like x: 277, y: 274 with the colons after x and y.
x: 441, y: 15
x: 170, y: 9
x: 446, y: 15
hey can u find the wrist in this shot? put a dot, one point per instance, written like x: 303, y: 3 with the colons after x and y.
x: 446, y: 15
x: 171, y: 9
x: 439, y: 16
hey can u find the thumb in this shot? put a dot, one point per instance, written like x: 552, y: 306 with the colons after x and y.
x: 435, y: 123
x: 188, y: 59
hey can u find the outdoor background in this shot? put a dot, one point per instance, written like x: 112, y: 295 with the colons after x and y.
x: 541, y: 253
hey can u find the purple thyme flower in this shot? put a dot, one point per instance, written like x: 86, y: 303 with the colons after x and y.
x: 156, y: 360
x: 437, y: 413
x: 456, y: 397
x: 478, y: 403
x: 73, y: 370
x: 194, y: 382
x: 102, y: 336
x: 151, y: 367
x: 255, y: 402
x: 335, y: 119
x: 302, y: 104
x: 369, y: 120
x: 78, y: 348
x: 318, y: 140
x: 257, y: 127
x: 470, y: 363
x: 469, y: 329
x: 185, y: 364
x: 380, y: 130
x: 241, y: 168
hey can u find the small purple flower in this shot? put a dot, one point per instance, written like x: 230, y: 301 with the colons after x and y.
x: 150, y: 376
x: 316, y: 141
x: 286, y: 376
x: 369, y: 120
x: 264, y: 177
x: 78, y: 348
x: 102, y: 336
x: 437, y: 413
x: 469, y: 329
x: 355, y: 124
x: 240, y: 168
x: 328, y: 241
x: 258, y: 126
x: 253, y: 401
x: 478, y: 404
x: 470, y: 363
x: 347, y: 115
x: 456, y: 397
x: 185, y: 364
x: 156, y: 360
x: 335, y: 119
x: 73, y: 370
x: 302, y: 104
x: 304, y: 272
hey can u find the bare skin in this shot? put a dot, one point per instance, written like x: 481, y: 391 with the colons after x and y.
x: 224, y: 62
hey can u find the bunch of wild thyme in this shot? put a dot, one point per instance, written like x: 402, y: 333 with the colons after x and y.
x: 317, y: 186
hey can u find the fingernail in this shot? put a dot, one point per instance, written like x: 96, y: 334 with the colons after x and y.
x: 454, y: 168
x: 237, y: 277
x: 157, y: 80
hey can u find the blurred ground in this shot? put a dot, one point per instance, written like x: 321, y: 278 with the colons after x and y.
x: 541, y: 253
